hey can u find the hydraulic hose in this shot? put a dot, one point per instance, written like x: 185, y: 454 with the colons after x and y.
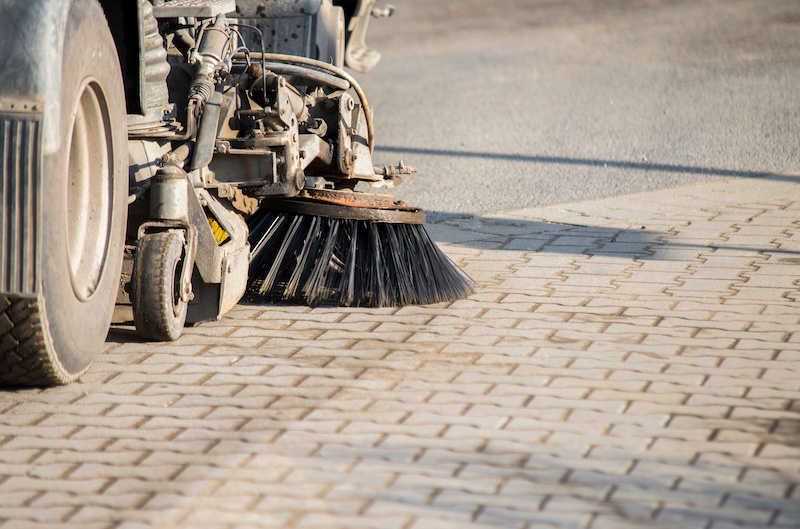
x: 306, y: 73
x: 208, y: 58
x: 313, y: 63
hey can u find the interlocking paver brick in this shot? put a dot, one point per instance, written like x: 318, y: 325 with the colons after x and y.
x: 313, y: 521
x: 24, y: 483
x: 484, y: 410
x: 499, y: 515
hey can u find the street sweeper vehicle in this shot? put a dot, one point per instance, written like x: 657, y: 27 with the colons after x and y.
x: 179, y: 153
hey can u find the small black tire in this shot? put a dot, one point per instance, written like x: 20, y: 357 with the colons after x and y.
x: 159, y: 313
x: 52, y: 337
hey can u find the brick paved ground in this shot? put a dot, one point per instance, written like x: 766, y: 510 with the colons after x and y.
x: 629, y: 362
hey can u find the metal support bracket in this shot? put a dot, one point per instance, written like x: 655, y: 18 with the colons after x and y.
x: 189, y: 234
x: 194, y: 8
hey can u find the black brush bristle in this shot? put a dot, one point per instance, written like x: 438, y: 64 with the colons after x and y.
x: 317, y: 260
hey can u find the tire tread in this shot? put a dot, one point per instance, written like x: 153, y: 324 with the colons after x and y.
x: 24, y: 356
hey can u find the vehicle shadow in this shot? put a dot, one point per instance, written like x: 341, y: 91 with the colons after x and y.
x: 517, y: 234
x: 590, y: 162
x: 520, y: 235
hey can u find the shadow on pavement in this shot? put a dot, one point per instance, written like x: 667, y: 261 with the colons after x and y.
x: 566, y: 160
x: 495, y: 233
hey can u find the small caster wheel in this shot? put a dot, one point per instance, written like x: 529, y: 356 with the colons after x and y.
x: 158, y: 310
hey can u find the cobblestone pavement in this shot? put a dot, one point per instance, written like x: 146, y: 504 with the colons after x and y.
x: 627, y: 362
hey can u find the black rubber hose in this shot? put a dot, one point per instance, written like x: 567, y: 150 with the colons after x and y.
x: 338, y: 72
x: 317, y: 76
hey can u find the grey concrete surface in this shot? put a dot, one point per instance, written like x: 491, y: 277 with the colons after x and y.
x: 519, y: 103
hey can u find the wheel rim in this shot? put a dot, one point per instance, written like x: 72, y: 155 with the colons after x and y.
x: 177, y: 302
x: 89, y: 190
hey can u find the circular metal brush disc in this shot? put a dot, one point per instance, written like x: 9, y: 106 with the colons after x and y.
x: 348, y: 205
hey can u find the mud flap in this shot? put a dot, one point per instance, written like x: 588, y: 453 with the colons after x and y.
x: 220, y: 275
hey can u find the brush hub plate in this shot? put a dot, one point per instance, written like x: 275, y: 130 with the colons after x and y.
x: 348, y: 205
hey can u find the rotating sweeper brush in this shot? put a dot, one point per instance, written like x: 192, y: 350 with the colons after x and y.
x: 349, y: 249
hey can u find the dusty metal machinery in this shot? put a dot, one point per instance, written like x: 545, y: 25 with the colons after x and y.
x: 140, y: 134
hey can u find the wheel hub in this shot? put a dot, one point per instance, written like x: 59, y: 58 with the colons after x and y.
x: 89, y: 194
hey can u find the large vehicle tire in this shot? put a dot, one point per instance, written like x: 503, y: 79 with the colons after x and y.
x: 53, y: 338
x: 158, y: 310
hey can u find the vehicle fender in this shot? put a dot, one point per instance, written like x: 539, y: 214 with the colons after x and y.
x: 31, y: 39
x: 31, y: 43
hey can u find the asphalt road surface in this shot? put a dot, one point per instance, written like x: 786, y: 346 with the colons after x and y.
x: 518, y: 103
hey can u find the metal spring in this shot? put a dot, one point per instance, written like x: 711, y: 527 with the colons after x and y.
x: 202, y: 89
